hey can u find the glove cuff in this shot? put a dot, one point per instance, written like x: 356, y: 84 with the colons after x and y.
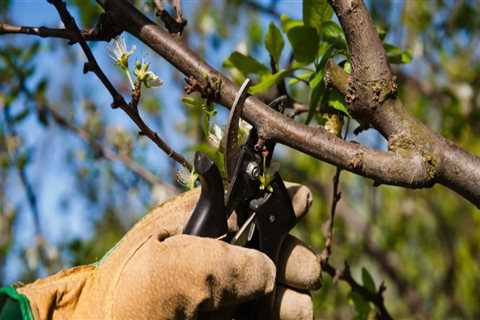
x: 14, y: 305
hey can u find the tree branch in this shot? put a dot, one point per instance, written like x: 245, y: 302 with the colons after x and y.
x: 173, y: 25
x: 417, y: 158
x: 44, y: 32
x: 371, y: 97
x: 107, y: 152
x: 336, y: 197
x: 374, y: 297
x: 118, y: 101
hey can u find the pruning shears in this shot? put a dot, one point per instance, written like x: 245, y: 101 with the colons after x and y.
x: 264, y: 213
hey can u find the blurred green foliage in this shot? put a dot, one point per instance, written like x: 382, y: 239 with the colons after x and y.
x: 422, y: 243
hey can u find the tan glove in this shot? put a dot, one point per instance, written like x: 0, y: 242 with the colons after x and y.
x: 154, y: 272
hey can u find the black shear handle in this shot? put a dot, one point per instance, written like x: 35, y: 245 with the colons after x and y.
x: 209, y: 216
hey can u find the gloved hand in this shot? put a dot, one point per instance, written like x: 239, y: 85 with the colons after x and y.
x: 155, y: 272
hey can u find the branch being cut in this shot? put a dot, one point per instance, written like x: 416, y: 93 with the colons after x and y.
x: 130, y: 109
x: 413, y: 163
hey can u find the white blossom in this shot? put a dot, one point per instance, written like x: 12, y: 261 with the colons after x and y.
x: 145, y: 76
x: 120, y: 54
x: 215, y: 136
x: 187, y: 178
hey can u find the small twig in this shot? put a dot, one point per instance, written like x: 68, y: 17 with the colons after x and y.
x: 118, y: 101
x: 44, y: 32
x: 100, y: 149
x: 337, y: 195
x: 30, y: 194
x: 40, y: 239
x: 173, y: 25
x: 105, y: 151
x: 374, y: 297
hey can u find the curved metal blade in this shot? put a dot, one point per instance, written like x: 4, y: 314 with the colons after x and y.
x: 232, y: 146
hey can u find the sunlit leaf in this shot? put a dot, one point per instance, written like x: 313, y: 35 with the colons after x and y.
x: 337, y: 102
x: 361, y: 306
x: 304, y: 76
x: 317, y: 86
x: 315, y: 12
x: 347, y: 67
x: 367, y: 280
x: 246, y: 64
x: 267, y: 81
x: 274, y: 42
x: 289, y: 23
x: 333, y: 33
x: 397, y: 55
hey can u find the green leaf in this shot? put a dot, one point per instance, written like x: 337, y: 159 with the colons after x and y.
x: 315, y: 12
x: 267, y: 81
x: 332, y: 33
x: 382, y: 31
x: 192, y: 102
x: 246, y: 64
x: 347, y: 67
x: 396, y: 55
x: 255, y: 34
x: 307, y: 75
x: 317, y: 86
x: 361, y: 306
x: 327, y: 54
x: 289, y: 23
x: 304, y: 41
x: 367, y: 280
x: 337, y: 102
x: 274, y: 42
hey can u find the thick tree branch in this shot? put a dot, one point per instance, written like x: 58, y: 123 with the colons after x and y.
x: 371, y: 95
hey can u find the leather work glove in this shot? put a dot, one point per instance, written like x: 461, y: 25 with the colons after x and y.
x: 155, y: 272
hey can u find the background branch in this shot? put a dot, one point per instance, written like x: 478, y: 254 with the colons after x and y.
x: 118, y: 101
x: 107, y: 152
x: 375, y: 297
x: 44, y: 32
